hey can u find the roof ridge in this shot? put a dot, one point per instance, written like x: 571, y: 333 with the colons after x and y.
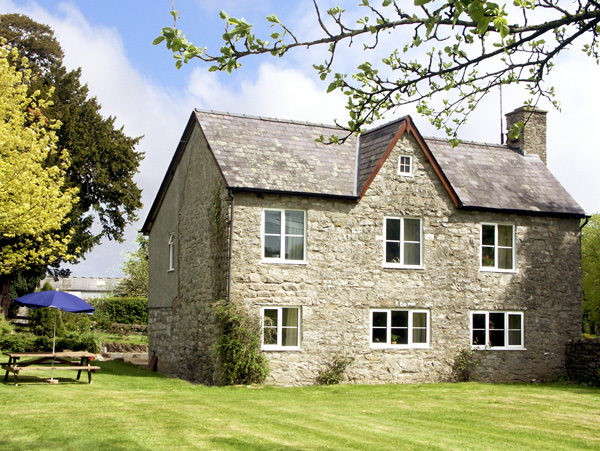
x: 379, y: 127
x: 267, y: 118
x: 464, y: 141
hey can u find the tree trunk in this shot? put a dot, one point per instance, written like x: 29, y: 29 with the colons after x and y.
x: 5, y: 301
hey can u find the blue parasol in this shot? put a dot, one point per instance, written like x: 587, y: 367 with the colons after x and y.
x: 58, y: 300
x: 55, y: 299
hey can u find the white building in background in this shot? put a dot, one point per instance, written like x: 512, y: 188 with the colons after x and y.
x: 85, y: 287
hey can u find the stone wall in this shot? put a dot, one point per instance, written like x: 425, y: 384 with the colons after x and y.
x: 344, y: 279
x: 181, y: 327
x: 532, y: 139
x: 583, y: 360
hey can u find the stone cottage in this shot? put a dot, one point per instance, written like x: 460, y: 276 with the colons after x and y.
x: 393, y: 249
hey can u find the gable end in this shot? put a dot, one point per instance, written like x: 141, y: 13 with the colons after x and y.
x: 409, y: 127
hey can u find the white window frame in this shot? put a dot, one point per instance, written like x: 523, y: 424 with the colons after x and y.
x: 401, y: 165
x: 389, y: 344
x: 282, y: 235
x: 279, y: 346
x: 401, y: 264
x: 495, y: 268
x: 487, y: 344
x: 171, y: 252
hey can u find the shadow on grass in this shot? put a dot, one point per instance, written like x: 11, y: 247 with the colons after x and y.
x: 238, y: 443
x: 112, y: 444
x: 107, y: 367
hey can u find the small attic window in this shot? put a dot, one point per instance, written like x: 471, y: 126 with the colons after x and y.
x: 405, y: 165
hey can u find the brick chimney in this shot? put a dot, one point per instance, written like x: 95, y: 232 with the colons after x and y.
x: 532, y: 139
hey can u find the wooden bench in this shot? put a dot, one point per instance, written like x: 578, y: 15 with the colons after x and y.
x: 16, y: 369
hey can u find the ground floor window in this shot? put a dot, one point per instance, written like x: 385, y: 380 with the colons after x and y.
x: 497, y: 330
x: 281, y: 328
x: 400, y: 328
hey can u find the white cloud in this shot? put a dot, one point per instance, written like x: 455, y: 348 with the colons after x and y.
x: 143, y: 107
x: 286, y: 88
x: 275, y: 92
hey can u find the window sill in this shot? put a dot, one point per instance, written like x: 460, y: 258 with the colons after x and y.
x: 498, y: 348
x: 396, y: 266
x: 284, y: 262
x: 281, y: 348
x: 396, y: 347
x: 495, y: 270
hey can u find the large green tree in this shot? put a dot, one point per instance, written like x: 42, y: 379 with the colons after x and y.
x: 103, y: 158
x: 452, y: 51
x: 590, y: 266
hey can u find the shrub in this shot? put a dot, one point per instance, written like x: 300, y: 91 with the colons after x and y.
x: 465, y: 364
x: 121, y: 310
x: 334, y: 372
x: 5, y: 326
x: 239, y: 346
x: 77, y: 322
x: 17, y: 343
x: 41, y: 322
x: 30, y: 343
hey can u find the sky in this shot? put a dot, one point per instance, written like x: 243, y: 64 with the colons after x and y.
x: 138, y: 84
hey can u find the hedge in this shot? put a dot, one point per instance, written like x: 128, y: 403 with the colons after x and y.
x: 30, y: 343
x: 122, y: 310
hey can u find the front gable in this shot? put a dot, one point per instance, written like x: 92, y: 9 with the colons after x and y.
x: 403, y: 140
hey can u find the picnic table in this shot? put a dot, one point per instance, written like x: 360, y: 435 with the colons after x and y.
x: 78, y: 361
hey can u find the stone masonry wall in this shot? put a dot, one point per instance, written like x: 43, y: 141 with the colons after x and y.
x: 182, y: 332
x: 532, y: 139
x: 344, y: 278
x: 583, y: 360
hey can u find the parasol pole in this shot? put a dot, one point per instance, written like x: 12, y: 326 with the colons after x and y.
x: 53, y: 348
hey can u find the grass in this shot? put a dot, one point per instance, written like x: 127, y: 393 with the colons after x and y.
x: 122, y: 338
x: 131, y: 408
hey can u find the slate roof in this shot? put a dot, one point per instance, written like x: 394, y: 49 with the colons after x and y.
x: 269, y: 154
x: 487, y: 176
x: 266, y: 154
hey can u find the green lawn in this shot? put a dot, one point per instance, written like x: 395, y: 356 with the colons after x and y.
x: 133, y: 339
x: 129, y: 408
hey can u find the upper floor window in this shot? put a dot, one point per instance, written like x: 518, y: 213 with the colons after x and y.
x: 405, y: 165
x: 403, y: 242
x: 171, y: 251
x: 284, y: 233
x: 281, y: 328
x: 400, y: 328
x: 497, y: 330
x: 497, y: 247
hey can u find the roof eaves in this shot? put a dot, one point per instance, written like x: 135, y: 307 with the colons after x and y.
x: 241, y: 189
x: 559, y: 214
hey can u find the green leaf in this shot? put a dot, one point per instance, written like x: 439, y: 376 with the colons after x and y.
x: 420, y: 2
x: 158, y: 40
x: 475, y: 11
